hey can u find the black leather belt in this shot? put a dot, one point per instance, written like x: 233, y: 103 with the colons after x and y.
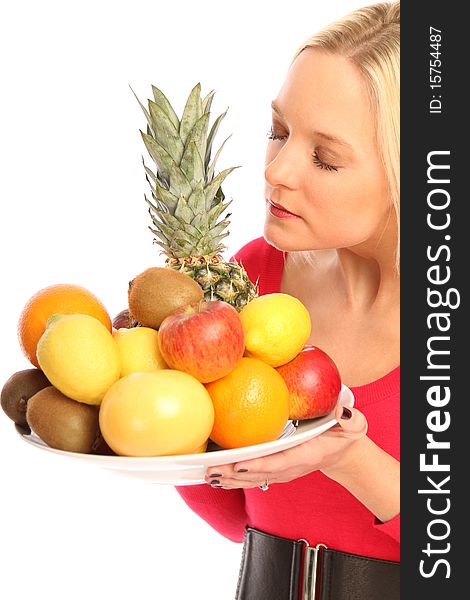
x: 276, y: 568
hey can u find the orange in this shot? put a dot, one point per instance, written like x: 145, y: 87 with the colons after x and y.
x: 251, y: 405
x: 61, y: 298
x: 156, y: 413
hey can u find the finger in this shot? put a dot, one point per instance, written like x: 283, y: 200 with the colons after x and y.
x: 219, y: 475
x: 235, y: 481
x: 273, y: 463
x: 229, y: 483
x: 260, y: 479
x: 218, y: 471
x: 351, y: 421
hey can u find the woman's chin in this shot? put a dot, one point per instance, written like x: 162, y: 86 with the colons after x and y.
x: 281, y: 239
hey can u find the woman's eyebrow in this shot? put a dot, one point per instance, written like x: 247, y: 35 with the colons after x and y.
x: 328, y: 137
x: 276, y: 109
x: 333, y: 139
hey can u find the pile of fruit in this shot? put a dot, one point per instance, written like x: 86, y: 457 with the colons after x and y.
x: 189, y: 372
x: 196, y: 356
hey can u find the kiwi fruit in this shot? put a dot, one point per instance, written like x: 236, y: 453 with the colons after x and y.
x: 61, y: 422
x: 17, y: 391
x: 100, y: 447
x: 157, y: 292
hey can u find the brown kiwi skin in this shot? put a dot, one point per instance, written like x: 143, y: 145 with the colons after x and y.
x: 17, y: 391
x: 159, y: 291
x: 63, y: 423
x: 100, y: 447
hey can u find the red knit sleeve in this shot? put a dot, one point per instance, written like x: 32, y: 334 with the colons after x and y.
x: 390, y: 528
x: 223, y: 510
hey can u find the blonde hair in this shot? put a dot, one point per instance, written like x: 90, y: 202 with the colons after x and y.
x: 370, y: 38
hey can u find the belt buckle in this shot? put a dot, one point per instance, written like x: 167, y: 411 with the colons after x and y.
x: 311, y: 563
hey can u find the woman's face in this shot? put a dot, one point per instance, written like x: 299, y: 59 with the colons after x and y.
x: 322, y: 160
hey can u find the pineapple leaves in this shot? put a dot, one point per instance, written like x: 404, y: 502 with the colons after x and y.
x: 179, y: 184
x: 165, y: 132
x: 210, y: 171
x: 207, y: 102
x: 167, y: 230
x: 210, y: 139
x: 159, y: 155
x: 214, y: 186
x: 161, y: 236
x: 196, y: 201
x: 192, y: 233
x: 164, y: 104
x: 191, y: 163
x: 187, y: 206
x: 198, y: 135
x: 168, y: 223
x: 166, y: 198
x: 200, y: 222
x: 150, y: 174
x: 145, y: 111
x: 166, y: 166
x: 151, y: 204
x: 215, y: 231
x: 192, y: 112
x: 182, y: 212
x: 218, y: 239
x: 216, y: 211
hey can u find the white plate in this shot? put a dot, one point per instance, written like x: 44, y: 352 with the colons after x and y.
x: 189, y: 469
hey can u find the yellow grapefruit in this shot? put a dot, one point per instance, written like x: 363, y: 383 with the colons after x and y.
x: 158, y: 413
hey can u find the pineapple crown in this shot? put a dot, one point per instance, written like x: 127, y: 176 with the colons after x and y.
x: 187, y: 198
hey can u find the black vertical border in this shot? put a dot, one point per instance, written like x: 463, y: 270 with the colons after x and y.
x: 424, y: 132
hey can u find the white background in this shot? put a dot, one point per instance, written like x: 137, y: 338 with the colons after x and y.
x: 72, y: 211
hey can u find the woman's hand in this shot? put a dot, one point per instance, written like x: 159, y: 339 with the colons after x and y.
x: 333, y: 450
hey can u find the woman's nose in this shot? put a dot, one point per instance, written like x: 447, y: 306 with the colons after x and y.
x: 281, y: 168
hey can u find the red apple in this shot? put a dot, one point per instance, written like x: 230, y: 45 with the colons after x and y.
x: 314, y: 384
x: 204, y: 339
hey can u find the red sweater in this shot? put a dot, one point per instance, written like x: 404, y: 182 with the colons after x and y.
x: 313, y: 506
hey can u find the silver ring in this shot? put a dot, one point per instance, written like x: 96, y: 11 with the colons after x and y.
x: 265, y: 485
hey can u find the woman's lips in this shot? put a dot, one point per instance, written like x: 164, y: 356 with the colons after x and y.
x: 279, y: 211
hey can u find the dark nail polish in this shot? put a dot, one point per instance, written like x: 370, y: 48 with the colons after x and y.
x: 215, y: 481
x: 347, y: 414
x: 242, y: 471
x: 215, y: 475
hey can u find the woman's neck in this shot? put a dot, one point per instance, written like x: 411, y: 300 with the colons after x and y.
x: 365, y: 280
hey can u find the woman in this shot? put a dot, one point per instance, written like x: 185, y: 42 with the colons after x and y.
x: 331, y: 239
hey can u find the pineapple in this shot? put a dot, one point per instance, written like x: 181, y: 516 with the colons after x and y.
x: 187, y: 200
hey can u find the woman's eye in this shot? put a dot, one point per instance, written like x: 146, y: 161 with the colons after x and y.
x: 323, y: 165
x: 276, y: 136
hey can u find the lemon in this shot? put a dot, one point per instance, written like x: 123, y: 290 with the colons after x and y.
x: 276, y: 326
x: 79, y: 356
x: 138, y: 349
x: 154, y: 414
